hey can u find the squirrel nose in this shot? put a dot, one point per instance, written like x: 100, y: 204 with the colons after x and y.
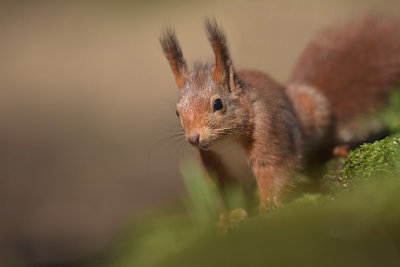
x: 194, y: 139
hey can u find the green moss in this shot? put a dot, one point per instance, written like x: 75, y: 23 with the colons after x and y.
x: 379, y: 158
x: 376, y: 161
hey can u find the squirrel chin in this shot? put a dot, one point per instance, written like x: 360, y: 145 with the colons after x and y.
x: 205, y: 146
x: 208, y: 145
x: 214, y: 143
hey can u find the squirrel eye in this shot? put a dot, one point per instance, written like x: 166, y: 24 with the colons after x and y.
x: 177, y: 113
x: 217, y: 104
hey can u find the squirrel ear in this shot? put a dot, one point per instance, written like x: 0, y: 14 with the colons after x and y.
x: 173, y: 53
x: 223, y: 64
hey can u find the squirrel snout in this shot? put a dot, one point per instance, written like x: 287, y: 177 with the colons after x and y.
x: 194, y: 139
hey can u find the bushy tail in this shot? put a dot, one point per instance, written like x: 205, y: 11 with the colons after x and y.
x: 355, y: 66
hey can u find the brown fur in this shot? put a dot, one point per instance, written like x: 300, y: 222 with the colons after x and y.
x: 355, y: 66
x: 271, y: 126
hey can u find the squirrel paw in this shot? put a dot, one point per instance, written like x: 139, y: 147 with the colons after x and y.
x: 269, y: 204
x: 230, y: 220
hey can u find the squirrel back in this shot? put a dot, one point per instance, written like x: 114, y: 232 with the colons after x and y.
x: 351, y: 69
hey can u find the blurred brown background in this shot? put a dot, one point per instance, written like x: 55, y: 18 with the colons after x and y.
x: 87, y: 107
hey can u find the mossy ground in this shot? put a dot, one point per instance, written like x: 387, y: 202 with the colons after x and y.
x: 369, y: 162
x: 354, y: 221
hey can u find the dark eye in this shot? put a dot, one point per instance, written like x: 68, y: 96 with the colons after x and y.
x: 177, y: 113
x: 217, y: 104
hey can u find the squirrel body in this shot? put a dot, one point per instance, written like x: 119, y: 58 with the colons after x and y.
x: 245, y: 124
x: 355, y: 67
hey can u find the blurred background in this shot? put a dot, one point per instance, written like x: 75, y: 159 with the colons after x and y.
x: 87, y: 108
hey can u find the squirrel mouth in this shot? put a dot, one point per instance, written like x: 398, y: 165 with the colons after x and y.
x: 207, y: 145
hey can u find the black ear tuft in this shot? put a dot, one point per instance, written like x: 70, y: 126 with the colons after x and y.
x: 219, y: 45
x: 173, y: 53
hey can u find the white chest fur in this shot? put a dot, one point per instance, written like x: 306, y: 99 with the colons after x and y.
x: 234, y: 159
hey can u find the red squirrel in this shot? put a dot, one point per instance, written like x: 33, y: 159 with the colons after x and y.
x: 244, y: 124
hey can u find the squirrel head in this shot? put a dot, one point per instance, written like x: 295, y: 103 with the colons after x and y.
x: 210, y: 106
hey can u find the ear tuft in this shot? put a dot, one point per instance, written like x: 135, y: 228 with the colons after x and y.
x: 173, y: 53
x: 219, y: 45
